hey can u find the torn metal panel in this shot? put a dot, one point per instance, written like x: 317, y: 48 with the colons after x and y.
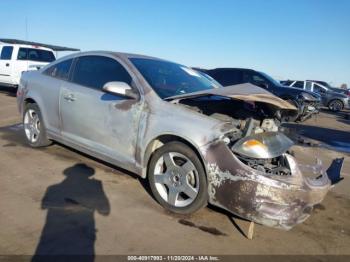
x: 275, y: 201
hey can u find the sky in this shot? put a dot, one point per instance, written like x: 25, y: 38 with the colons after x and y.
x: 288, y: 39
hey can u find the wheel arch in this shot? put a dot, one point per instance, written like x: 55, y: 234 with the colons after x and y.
x: 26, y: 101
x: 29, y: 100
x: 35, y: 100
x: 335, y: 99
x: 160, y: 140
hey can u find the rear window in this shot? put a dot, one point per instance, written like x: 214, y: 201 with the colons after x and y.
x: 60, y: 70
x: 6, y: 53
x: 37, y: 55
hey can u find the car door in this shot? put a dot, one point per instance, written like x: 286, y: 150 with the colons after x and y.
x: 53, y: 78
x: 22, y: 62
x: 104, y: 123
x: 6, y: 64
x: 322, y: 91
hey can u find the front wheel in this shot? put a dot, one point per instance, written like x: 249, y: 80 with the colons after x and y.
x: 177, y: 178
x: 335, y: 105
x: 34, y: 128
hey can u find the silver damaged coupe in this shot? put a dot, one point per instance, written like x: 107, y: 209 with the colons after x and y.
x: 195, y: 141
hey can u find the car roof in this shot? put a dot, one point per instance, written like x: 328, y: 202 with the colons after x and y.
x: 120, y: 55
x: 112, y: 53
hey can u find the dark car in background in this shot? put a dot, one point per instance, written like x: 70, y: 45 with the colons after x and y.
x: 306, y: 102
x: 333, y: 98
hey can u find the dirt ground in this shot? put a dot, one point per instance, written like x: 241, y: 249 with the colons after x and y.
x: 119, y: 216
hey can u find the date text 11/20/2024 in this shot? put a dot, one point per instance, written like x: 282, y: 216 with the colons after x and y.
x: 173, y: 258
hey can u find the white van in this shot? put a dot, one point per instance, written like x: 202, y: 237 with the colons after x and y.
x: 17, y: 56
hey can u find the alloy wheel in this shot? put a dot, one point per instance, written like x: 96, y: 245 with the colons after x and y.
x: 176, y: 179
x: 32, y: 125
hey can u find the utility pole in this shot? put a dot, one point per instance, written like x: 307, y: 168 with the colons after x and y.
x: 26, y: 21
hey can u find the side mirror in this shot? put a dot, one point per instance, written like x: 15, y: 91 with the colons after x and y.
x: 121, y: 89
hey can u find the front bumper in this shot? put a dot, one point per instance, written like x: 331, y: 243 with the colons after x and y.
x: 275, y: 201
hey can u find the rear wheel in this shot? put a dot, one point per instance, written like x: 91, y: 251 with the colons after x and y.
x: 34, y: 128
x: 335, y: 105
x: 177, y: 178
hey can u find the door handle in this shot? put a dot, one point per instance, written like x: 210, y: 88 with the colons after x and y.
x: 7, y: 64
x: 69, y: 97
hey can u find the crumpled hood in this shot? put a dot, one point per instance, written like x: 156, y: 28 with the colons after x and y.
x: 246, y: 92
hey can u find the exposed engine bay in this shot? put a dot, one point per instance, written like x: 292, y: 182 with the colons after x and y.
x: 249, y: 119
x: 273, y: 166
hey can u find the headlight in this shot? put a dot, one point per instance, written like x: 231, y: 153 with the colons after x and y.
x: 255, y: 147
x: 262, y: 146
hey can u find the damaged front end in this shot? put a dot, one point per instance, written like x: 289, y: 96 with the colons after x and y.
x: 250, y: 172
x: 256, y: 179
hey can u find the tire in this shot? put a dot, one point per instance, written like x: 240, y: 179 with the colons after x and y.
x: 34, y: 128
x: 336, y: 105
x: 179, y: 169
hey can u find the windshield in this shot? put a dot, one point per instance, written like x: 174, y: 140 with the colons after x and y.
x: 170, y: 79
x: 269, y: 78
